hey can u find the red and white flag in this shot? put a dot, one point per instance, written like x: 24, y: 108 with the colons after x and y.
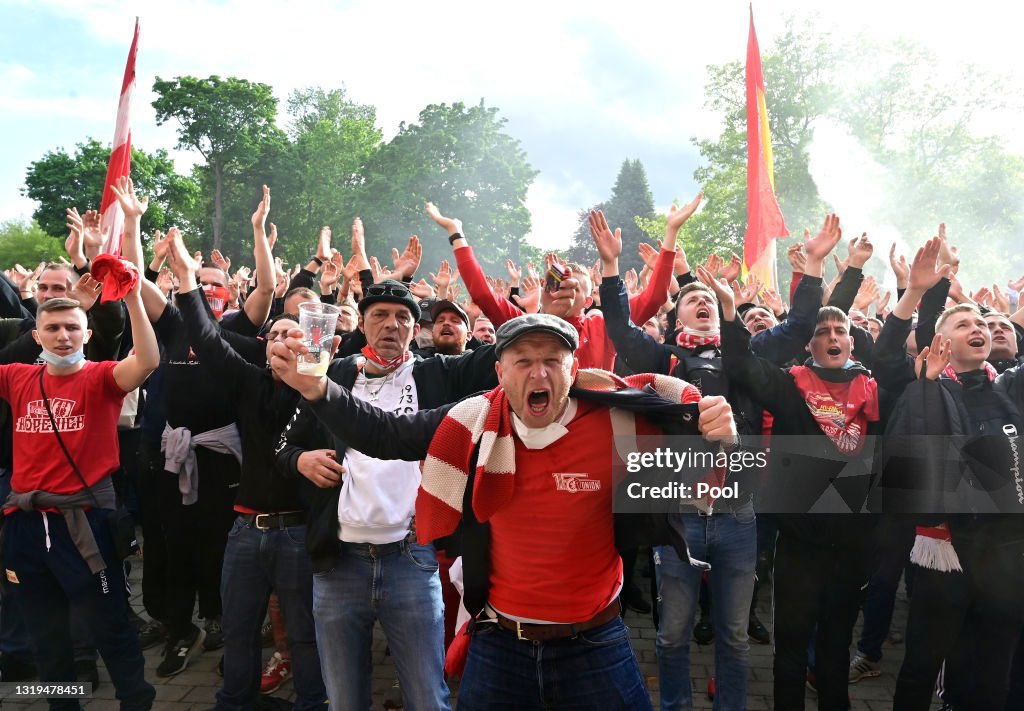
x: 111, y: 215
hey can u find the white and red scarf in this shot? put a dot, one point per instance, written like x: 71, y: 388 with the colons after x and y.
x: 843, y: 423
x: 484, y: 422
x: 989, y: 371
x: 380, y: 361
x: 688, y: 338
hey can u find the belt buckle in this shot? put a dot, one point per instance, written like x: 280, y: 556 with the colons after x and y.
x: 259, y: 526
x: 519, y: 632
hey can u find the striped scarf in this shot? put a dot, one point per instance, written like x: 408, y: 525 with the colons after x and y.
x: 484, y: 423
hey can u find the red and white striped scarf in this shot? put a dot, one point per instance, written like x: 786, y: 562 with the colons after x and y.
x: 484, y: 422
x: 989, y: 371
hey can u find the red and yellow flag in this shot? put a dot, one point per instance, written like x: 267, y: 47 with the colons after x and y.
x: 764, y: 218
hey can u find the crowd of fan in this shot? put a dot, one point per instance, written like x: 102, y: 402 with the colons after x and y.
x: 390, y: 491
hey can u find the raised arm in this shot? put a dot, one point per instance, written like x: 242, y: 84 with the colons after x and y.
x: 497, y: 309
x: 639, y: 351
x: 378, y: 433
x: 257, y: 304
x: 132, y: 372
x: 134, y: 209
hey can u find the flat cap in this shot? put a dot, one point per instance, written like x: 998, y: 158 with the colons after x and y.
x: 515, y: 328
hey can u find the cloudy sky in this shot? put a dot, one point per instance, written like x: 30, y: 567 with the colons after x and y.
x: 582, y: 84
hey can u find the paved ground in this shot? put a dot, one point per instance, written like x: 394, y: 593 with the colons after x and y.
x: 194, y: 689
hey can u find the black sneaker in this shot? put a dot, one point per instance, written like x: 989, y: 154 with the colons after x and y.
x: 87, y: 673
x: 214, y: 635
x: 703, y: 632
x: 14, y: 669
x: 177, y: 654
x: 756, y: 631
x: 152, y: 633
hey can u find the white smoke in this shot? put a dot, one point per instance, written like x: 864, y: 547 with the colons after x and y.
x: 854, y: 183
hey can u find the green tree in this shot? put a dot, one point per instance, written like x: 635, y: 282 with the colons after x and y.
x: 631, y: 199
x: 935, y: 166
x: 458, y: 157
x: 228, y: 121
x: 332, y: 139
x: 60, y: 180
x: 27, y: 243
x: 582, y: 249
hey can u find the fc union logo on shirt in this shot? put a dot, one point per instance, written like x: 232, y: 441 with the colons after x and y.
x: 574, y: 483
x: 37, y: 420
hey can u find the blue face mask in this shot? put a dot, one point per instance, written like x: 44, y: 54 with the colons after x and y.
x: 845, y: 366
x: 62, y: 361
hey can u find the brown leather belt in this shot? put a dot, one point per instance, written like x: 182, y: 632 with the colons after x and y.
x: 545, y: 633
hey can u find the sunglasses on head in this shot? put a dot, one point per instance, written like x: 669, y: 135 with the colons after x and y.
x: 387, y: 290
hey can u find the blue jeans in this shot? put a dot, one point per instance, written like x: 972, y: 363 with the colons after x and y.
x: 54, y: 581
x: 728, y: 541
x: 595, y: 670
x: 398, y: 584
x: 256, y: 562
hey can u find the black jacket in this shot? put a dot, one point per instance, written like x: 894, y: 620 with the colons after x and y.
x: 440, y: 380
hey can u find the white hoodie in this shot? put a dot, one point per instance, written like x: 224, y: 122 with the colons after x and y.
x: 378, y: 497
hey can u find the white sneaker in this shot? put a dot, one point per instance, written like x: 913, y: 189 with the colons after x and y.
x: 863, y: 668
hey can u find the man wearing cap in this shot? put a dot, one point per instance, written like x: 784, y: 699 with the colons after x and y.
x: 367, y: 563
x: 446, y: 327
x: 539, y: 449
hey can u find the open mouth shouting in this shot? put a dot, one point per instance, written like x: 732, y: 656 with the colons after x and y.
x: 976, y: 342
x: 538, y: 402
x: 834, y: 351
x: 703, y: 313
x: 758, y: 326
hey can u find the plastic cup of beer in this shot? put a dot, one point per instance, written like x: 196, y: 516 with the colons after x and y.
x: 317, y: 321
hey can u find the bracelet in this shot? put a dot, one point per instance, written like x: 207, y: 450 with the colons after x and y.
x: 453, y: 237
x: 319, y: 262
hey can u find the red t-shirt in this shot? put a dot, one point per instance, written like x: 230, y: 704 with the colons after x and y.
x: 85, y: 405
x: 553, y: 554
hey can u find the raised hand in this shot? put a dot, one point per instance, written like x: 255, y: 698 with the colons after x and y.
x: 132, y: 206
x: 860, y: 251
x: 731, y: 271
x: 421, y: 289
x: 648, y: 254
x: 923, y: 272
x: 933, y: 358
x: 329, y: 276
x: 883, y: 305
x: 184, y: 266
x: 724, y: 293
x: 947, y: 252
x: 379, y: 273
x: 323, y: 245
x: 220, y: 261
x: 819, y: 246
x: 74, y: 244
x: 529, y: 294
x: 272, y: 237
x: 773, y: 301
x: 1000, y: 301
x: 515, y: 274
x: 408, y: 261
x: 631, y: 280
x: 86, y: 291
x: 795, y: 254
x: 749, y: 291
x: 900, y: 268
x: 91, y: 234
x: 609, y: 244
x: 866, y: 294
x: 678, y: 215
x: 451, y: 224
x: 259, y: 217
x: 1016, y: 284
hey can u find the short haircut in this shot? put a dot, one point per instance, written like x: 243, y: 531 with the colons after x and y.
x: 582, y: 274
x: 58, y: 304
x: 756, y: 307
x: 877, y: 322
x: 303, y: 292
x: 828, y: 314
x: 952, y: 311
x: 694, y: 286
x: 73, y: 276
x: 282, y: 317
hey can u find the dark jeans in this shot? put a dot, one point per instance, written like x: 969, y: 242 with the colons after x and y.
x: 196, y: 536
x: 154, y: 561
x: 817, y: 592
x: 53, y: 580
x: 256, y: 562
x: 594, y: 670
